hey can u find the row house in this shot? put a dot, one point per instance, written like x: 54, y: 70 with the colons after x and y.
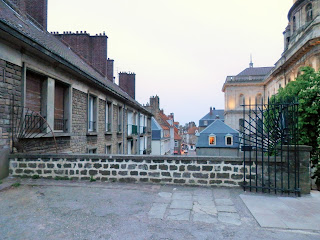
x: 58, y: 79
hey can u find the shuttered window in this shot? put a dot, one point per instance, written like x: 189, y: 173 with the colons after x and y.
x: 59, y: 114
x: 34, y: 91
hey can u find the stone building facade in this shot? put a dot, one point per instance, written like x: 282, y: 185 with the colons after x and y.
x: 301, y: 48
x: 45, y: 75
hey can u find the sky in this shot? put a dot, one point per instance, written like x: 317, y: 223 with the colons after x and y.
x: 180, y: 50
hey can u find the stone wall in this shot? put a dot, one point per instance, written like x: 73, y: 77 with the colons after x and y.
x: 204, y: 171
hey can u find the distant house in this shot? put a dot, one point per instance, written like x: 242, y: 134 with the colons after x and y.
x: 218, y: 139
x: 210, y: 118
x: 191, y: 137
x: 160, y: 144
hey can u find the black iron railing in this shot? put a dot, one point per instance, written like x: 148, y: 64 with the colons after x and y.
x: 269, y: 141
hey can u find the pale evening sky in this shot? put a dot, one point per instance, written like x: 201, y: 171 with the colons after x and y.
x: 181, y: 50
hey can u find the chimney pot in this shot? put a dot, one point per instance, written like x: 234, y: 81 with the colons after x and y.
x: 210, y: 110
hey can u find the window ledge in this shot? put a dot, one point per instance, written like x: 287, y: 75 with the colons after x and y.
x: 92, y: 133
x: 108, y: 133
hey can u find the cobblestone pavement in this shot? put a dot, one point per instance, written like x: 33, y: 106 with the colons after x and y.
x: 49, y: 209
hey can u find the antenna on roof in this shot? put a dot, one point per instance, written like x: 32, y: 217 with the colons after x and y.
x: 251, y: 63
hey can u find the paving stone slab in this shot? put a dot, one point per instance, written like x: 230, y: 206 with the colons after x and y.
x: 230, y: 218
x: 224, y: 202
x: 204, y: 209
x: 230, y: 209
x: 284, y: 212
x: 182, y: 196
x: 157, y: 210
x: 200, y: 217
x: 179, y: 214
x: 181, y: 204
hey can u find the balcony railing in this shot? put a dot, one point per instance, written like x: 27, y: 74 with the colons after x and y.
x: 60, y: 124
x: 132, y: 129
x: 108, y: 127
x: 92, y: 126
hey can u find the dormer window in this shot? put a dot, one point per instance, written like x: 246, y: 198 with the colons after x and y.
x: 205, y: 122
x: 212, y: 140
x: 228, y: 140
x: 309, y: 12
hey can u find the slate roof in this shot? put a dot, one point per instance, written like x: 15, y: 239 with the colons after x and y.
x: 255, y: 71
x: 28, y: 29
x: 155, y: 125
x: 218, y: 127
x: 214, y: 114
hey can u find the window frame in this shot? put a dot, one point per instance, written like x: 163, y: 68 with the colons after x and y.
x: 228, y: 136
x: 215, y: 140
x: 92, y: 112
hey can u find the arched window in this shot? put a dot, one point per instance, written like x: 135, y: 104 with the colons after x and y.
x: 309, y: 12
x: 294, y: 24
x: 241, y: 99
x: 228, y: 140
x: 259, y: 99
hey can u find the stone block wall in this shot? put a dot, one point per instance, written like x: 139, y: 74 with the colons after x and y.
x: 10, y: 85
x: 204, y: 171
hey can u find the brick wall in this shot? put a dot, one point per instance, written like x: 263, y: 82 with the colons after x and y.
x: 127, y: 82
x: 205, y: 171
x: 37, y: 9
x: 91, y: 48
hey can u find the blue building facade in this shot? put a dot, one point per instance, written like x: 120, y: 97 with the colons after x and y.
x: 218, y: 139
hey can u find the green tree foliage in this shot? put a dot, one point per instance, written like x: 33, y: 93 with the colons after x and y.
x: 307, y: 89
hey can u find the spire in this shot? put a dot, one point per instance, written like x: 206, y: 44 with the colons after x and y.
x: 251, y: 63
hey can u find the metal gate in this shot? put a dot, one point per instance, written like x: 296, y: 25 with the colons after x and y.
x: 269, y: 142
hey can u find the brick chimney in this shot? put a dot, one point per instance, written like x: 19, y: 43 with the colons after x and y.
x: 110, y: 74
x: 127, y: 82
x: 155, y: 103
x: 93, y: 49
x: 36, y: 9
x: 211, y: 111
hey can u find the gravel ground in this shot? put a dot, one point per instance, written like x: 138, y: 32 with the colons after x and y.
x: 41, y: 209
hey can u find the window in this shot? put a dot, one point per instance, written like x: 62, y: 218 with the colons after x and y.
x: 108, y: 149
x: 259, y: 99
x: 120, y: 119
x: 212, y: 139
x: 241, y: 100
x: 175, y: 143
x: 229, y: 140
x: 294, y: 24
x: 60, y: 99
x: 92, y: 113
x: 205, y: 123
x: 119, y: 148
x: 108, y: 116
x: 309, y: 12
x: 35, y: 102
x: 92, y: 150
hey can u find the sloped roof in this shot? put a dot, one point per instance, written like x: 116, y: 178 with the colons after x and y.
x: 255, y: 71
x: 218, y: 127
x: 193, y: 130
x: 155, y: 125
x: 215, y: 113
x: 54, y: 46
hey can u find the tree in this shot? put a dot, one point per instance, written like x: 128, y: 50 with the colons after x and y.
x: 307, y: 89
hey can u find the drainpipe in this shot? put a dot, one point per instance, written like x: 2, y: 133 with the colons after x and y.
x: 123, y: 119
